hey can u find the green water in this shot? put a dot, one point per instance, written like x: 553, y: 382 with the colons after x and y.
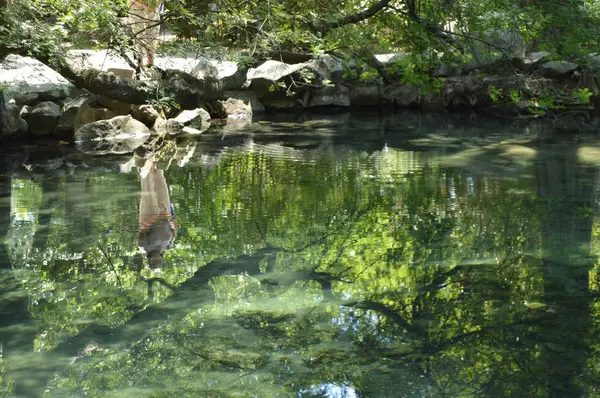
x: 353, y: 258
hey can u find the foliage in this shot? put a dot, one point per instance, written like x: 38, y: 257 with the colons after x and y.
x: 166, y: 104
x: 583, y: 95
x: 495, y: 93
x: 453, y: 32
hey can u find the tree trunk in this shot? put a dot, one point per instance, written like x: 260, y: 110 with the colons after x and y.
x: 184, y: 89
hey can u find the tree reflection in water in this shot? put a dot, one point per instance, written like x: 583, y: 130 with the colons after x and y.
x: 318, y: 273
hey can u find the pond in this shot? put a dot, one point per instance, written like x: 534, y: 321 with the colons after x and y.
x: 411, y: 255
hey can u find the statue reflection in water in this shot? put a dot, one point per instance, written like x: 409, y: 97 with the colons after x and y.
x: 158, y: 227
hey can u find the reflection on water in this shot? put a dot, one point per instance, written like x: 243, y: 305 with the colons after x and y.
x: 157, y: 217
x: 320, y: 265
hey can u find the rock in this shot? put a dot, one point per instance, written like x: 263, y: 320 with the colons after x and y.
x: 503, y: 44
x: 394, y: 59
x: 404, y: 96
x: 248, y: 96
x: 167, y: 127
x: 67, y: 123
x: 4, y: 116
x: 118, y: 107
x: 29, y: 81
x: 43, y: 118
x: 145, y: 114
x: 191, y: 131
x: 534, y: 59
x: 366, y: 95
x: 231, y: 108
x: 444, y: 70
x: 119, y: 135
x: 197, y: 119
x: 189, y: 90
x: 279, y: 100
x: 273, y: 71
x: 96, y: 59
x: 126, y: 73
x: 85, y: 113
x: 592, y: 61
x: 102, y: 113
x: 237, y: 108
x: 229, y: 73
x: 331, y: 68
x: 557, y: 68
x: 25, y: 111
x: 232, y: 126
x: 11, y: 124
x: 330, y: 96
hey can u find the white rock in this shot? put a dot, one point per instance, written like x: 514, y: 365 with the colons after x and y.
x: 29, y: 81
x: 121, y: 134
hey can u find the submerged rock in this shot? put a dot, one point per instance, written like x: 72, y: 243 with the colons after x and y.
x: 119, y: 135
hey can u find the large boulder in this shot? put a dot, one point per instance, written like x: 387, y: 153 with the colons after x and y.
x: 189, y: 90
x: 118, y: 107
x: 119, y: 135
x: 28, y: 81
x: 42, y: 120
x: 229, y: 73
x: 557, y: 68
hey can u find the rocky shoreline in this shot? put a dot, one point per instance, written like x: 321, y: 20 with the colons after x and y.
x: 104, y: 109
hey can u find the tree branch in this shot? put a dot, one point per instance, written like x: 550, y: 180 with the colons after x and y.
x: 354, y: 18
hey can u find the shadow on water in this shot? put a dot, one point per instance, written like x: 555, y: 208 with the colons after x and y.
x: 411, y: 255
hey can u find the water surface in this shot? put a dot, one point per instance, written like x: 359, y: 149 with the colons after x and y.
x: 413, y: 256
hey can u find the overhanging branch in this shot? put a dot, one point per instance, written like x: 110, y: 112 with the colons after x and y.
x: 354, y: 18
